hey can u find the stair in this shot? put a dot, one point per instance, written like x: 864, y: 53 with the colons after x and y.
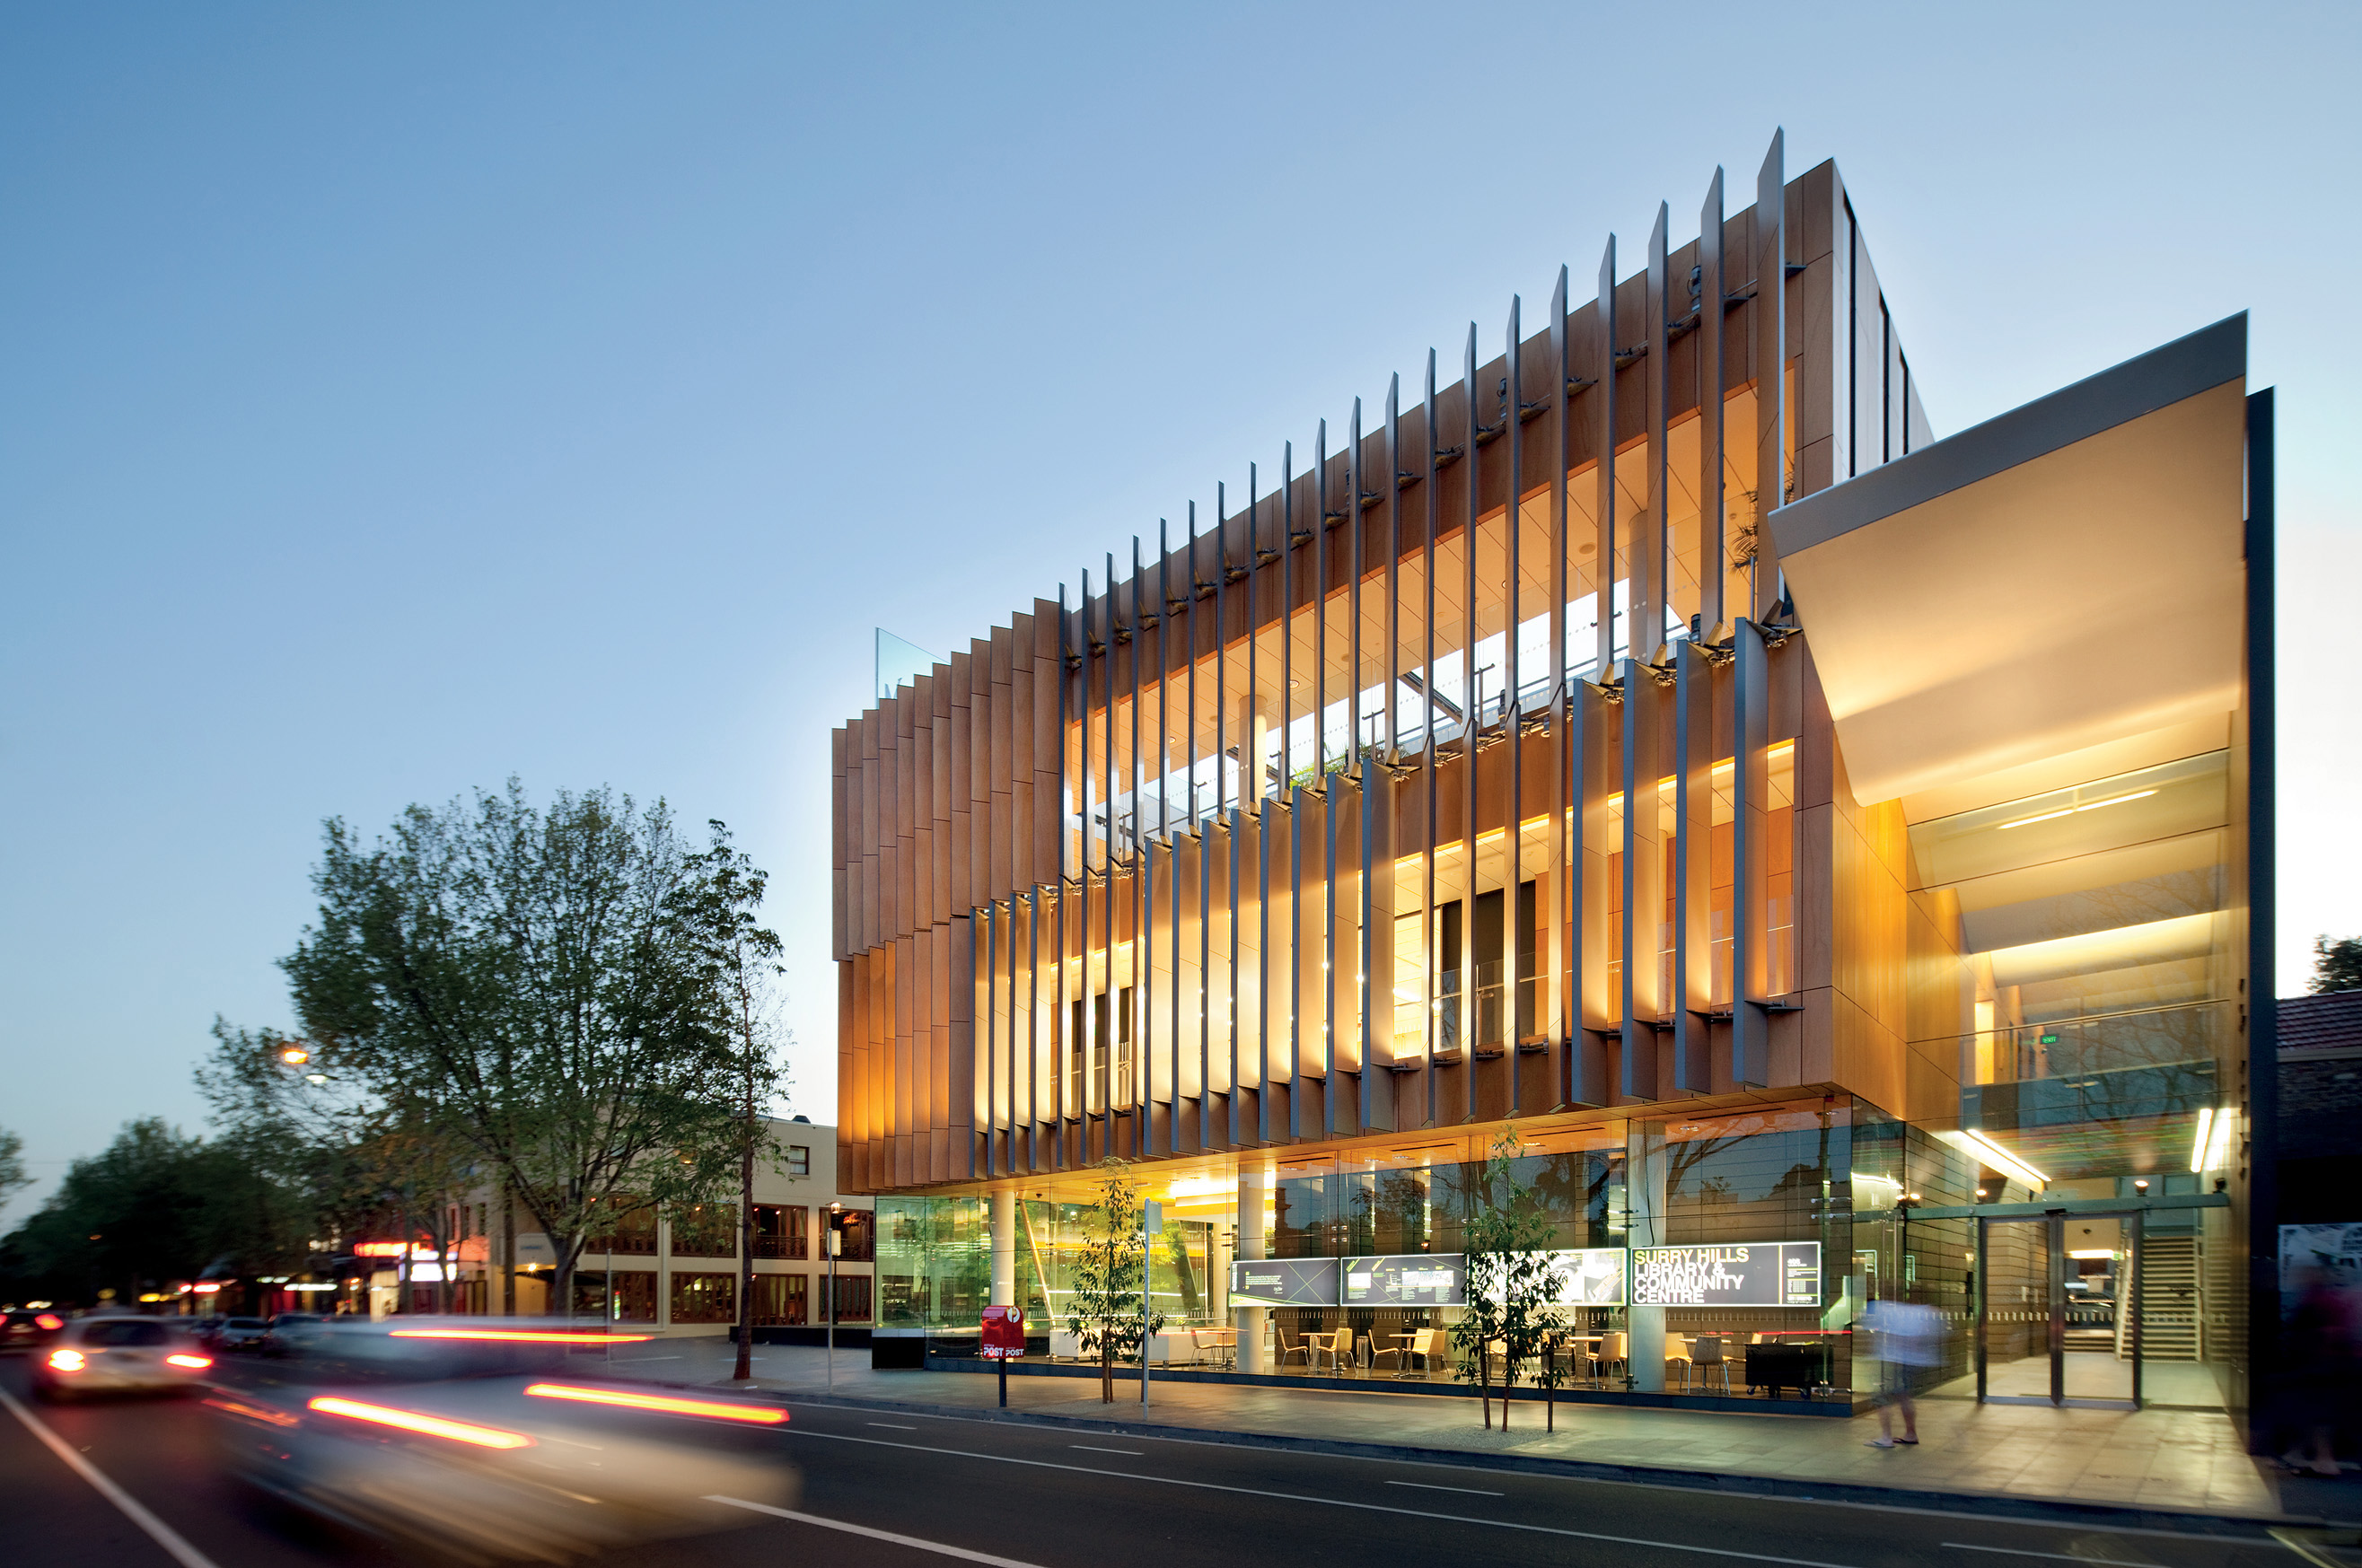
x: 2172, y: 1299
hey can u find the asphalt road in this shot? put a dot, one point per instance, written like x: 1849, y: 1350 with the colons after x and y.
x: 908, y: 1491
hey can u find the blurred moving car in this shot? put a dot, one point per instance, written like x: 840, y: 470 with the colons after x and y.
x: 27, y: 1328
x: 118, y: 1355
x: 227, y: 1334
x: 472, y: 1435
x: 290, y: 1332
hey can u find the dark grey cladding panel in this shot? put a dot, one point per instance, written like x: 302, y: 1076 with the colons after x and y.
x: 2164, y: 376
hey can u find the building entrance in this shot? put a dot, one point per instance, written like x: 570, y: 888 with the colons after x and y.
x: 2057, y: 1313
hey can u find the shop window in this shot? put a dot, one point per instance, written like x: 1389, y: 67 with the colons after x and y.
x: 619, y: 1295
x: 860, y: 1230
x: 799, y: 1159
x: 782, y: 1300
x: 853, y: 1299
x: 704, y: 1298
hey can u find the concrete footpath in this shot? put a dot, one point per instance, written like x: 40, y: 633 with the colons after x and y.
x: 2172, y: 1464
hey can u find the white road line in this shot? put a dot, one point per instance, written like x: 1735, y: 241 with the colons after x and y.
x: 2054, y: 1556
x: 1423, y: 1486
x: 1324, y: 1502
x: 162, y: 1534
x: 1089, y: 1449
x: 896, y: 1426
x: 911, y: 1540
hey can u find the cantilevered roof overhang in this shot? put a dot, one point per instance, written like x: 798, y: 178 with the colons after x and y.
x: 2067, y: 574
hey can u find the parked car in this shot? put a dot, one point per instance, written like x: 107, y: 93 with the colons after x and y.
x: 227, y: 1334
x: 27, y: 1328
x: 474, y: 1437
x: 119, y: 1355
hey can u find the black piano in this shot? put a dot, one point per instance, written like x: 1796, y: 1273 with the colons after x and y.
x: 1803, y: 1366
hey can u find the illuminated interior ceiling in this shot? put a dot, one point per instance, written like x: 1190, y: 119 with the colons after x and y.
x: 2063, y: 575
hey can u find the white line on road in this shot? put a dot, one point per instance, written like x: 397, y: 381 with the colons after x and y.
x: 1423, y: 1486
x: 912, y: 1540
x: 897, y: 1426
x: 163, y: 1535
x: 1087, y: 1448
x: 1325, y: 1502
x: 2054, y: 1556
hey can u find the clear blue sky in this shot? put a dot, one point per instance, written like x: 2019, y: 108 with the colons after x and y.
x: 396, y: 398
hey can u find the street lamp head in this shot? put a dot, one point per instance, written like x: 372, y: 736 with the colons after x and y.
x: 294, y: 1055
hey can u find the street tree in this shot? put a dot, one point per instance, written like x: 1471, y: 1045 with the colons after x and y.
x: 545, y: 986
x: 2336, y: 966
x: 1511, y: 1292
x: 1109, y: 1275
x: 12, y: 1164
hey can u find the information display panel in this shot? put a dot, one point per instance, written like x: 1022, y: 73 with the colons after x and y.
x: 1285, y: 1282
x: 1753, y: 1274
x: 1407, y: 1279
x: 1589, y: 1277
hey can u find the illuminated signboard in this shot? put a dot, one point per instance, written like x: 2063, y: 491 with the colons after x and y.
x: 1283, y: 1282
x: 1407, y: 1279
x: 1753, y: 1274
x: 1591, y: 1277
x: 379, y: 1250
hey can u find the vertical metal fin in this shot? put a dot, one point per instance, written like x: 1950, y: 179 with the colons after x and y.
x: 1603, y: 425
x: 1692, y: 998
x: 1770, y: 357
x: 1513, y: 859
x: 1652, y: 584
x: 1750, y: 795
x: 1711, y: 525
x: 1644, y: 893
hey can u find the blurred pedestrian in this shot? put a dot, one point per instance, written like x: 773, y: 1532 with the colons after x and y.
x: 2325, y: 1368
x: 1904, y: 1336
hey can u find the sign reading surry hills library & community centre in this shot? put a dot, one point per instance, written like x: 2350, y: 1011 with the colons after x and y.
x: 1750, y: 1274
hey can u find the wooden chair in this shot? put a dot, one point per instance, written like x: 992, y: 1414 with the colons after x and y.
x: 1677, y: 1354
x: 1336, y: 1346
x: 1614, y: 1350
x: 1291, y: 1346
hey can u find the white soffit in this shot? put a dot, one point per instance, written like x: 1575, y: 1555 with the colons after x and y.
x: 2066, y: 574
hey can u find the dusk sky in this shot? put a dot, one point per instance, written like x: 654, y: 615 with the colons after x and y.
x: 394, y: 398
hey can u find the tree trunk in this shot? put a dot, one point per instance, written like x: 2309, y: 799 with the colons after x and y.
x: 747, y: 1247
x: 1485, y: 1382
x: 1107, y: 1369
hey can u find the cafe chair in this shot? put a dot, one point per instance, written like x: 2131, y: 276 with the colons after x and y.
x: 1336, y: 1345
x: 1677, y: 1354
x: 1706, y: 1356
x: 1290, y: 1345
x: 1614, y: 1350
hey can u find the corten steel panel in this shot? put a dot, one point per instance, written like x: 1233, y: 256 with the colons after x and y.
x: 1651, y: 590
x: 1710, y: 380
x: 1644, y: 893
x: 1750, y: 791
x: 1558, y: 957
x: 1431, y: 507
x: 1393, y: 489
x: 1513, y: 692
x: 1694, y: 748
x: 1602, y: 398
x: 1770, y: 311
x: 1353, y: 591
x: 839, y: 948
x: 1320, y: 605
x: 1471, y: 476
x: 1048, y: 748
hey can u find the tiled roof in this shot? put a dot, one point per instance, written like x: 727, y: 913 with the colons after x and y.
x: 2321, y: 1023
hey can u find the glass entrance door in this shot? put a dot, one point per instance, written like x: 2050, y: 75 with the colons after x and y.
x: 2057, y: 1314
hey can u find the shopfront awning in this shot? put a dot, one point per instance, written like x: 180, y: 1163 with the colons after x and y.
x: 2064, y: 575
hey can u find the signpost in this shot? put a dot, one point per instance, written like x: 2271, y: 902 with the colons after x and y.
x: 1004, y: 1340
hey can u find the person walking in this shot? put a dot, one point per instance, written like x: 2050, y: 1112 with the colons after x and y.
x: 1904, y: 1336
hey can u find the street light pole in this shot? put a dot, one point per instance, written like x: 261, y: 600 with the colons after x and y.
x: 836, y: 1244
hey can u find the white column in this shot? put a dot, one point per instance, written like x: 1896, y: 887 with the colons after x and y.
x: 1644, y: 1186
x: 1004, y: 1250
x: 1252, y: 1245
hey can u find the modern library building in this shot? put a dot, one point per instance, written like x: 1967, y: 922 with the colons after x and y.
x: 1830, y: 861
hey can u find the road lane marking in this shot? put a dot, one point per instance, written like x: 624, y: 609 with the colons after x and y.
x: 894, y: 1426
x: 1090, y: 1449
x: 910, y: 1541
x: 1424, y: 1487
x: 2054, y: 1556
x: 162, y: 1534
x: 1324, y: 1502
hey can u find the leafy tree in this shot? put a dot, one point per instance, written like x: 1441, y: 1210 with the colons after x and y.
x: 1109, y: 1275
x: 12, y: 1164
x: 748, y: 958
x: 2336, y: 966
x: 549, y: 987
x: 1510, y: 1290
x: 154, y: 1206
